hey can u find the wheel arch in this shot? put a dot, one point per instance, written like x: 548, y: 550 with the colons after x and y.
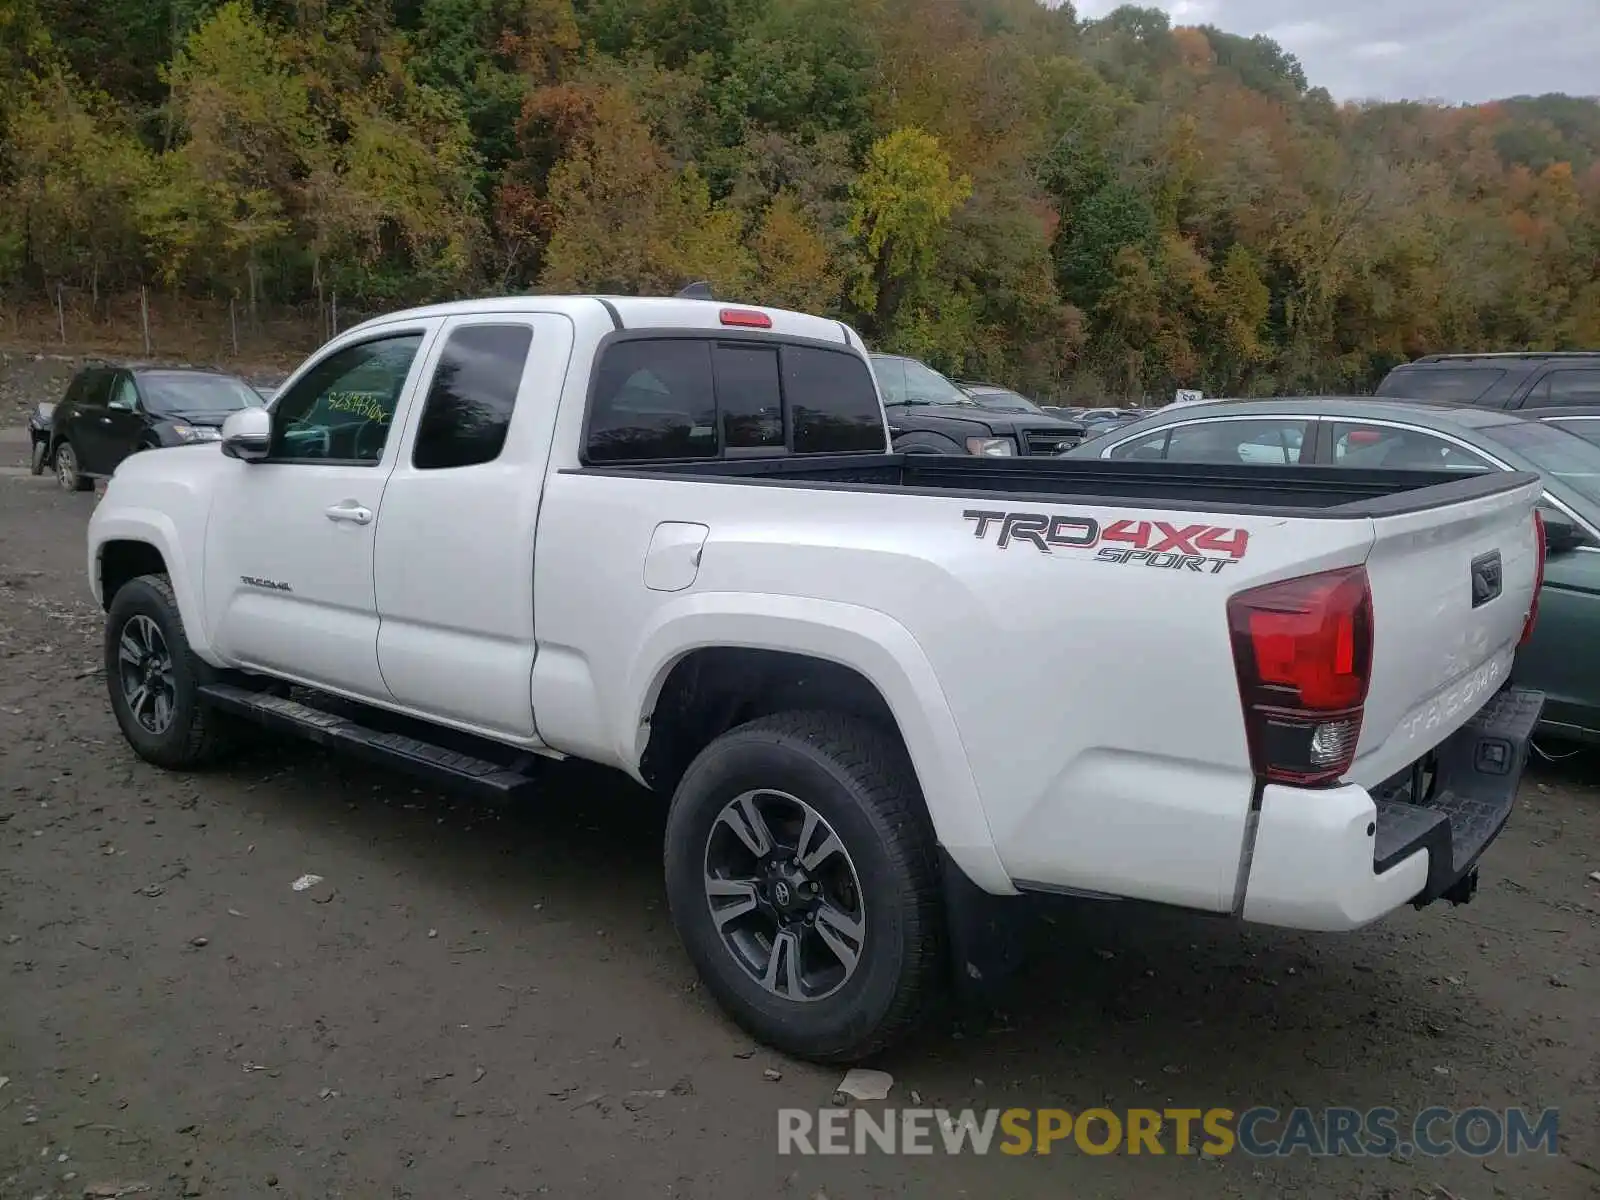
x: 125, y: 546
x: 724, y: 659
x: 927, y: 441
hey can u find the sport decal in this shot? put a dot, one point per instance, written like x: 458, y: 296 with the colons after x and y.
x: 1204, y: 548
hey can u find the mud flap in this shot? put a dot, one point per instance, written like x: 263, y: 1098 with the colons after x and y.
x: 988, y: 934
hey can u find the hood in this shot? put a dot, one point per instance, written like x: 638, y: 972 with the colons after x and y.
x: 976, y: 415
x: 213, y: 418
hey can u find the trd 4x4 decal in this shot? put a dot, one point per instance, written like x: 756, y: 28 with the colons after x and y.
x: 1203, y: 548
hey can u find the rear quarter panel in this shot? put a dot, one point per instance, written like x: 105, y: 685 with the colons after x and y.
x: 1094, y: 700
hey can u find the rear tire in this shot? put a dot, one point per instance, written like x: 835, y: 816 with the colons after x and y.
x: 154, y: 679
x: 828, y: 950
x: 68, y: 475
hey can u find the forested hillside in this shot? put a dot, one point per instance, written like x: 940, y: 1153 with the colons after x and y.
x: 994, y: 185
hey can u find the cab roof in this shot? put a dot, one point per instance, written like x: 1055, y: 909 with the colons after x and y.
x: 636, y: 312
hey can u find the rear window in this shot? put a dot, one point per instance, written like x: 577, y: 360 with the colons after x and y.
x: 699, y: 398
x: 1448, y: 385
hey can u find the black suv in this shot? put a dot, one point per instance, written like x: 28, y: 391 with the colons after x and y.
x: 930, y: 415
x: 110, y: 411
x: 1529, y: 379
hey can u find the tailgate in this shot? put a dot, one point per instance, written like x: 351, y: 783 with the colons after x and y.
x: 1451, y: 589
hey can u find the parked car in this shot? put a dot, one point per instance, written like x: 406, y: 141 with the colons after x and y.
x: 930, y: 415
x: 664, y: 535
x: 1582, y: 420
x: 1518, y: 379
x: 1101, y: 421
x: 1562, y: 659
x: 110, y: 412
x: 39, y: 436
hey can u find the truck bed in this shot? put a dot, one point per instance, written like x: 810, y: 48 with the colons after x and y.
x: 1320, y: 491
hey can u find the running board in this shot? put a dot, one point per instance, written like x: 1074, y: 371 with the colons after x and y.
x: 446, y: 768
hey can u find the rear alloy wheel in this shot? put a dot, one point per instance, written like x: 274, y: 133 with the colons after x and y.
x: 68, y: 475
x: 785, y: 895
x: 802, y: 880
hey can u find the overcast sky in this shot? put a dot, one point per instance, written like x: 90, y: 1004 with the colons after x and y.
x: 1454, y: 50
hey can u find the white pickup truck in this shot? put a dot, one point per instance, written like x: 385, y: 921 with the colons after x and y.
x: 887, y: 694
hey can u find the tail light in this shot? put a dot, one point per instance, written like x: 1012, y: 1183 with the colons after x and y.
x: 1303, y: 652
x: 1538, y: 578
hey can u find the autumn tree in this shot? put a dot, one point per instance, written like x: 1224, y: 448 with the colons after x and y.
x: 901, y: 203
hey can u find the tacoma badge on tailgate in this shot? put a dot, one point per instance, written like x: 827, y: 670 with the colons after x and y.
x: 1151, y: 543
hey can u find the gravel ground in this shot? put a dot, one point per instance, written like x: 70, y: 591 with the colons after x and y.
x: 485, y: 1002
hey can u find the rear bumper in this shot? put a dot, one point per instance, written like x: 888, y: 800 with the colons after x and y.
x: 1339, y: 858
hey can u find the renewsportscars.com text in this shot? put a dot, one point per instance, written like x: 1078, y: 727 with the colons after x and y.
x: 1258, y: 1132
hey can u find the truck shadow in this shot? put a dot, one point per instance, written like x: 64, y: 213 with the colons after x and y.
x: 1119, y: 1004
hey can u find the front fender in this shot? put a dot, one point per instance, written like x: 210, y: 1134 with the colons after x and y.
x: 112, y: 523
x: 863, y: 639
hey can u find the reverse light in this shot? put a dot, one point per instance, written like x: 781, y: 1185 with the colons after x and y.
x: 746, y: 318
x: 1302, y: 649
x: 1538, y: 578
x: 991, y: 447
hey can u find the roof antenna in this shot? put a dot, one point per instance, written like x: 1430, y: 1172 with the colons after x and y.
x: 699, y: 290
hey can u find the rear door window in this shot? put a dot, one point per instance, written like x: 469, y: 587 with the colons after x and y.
x: 663, y: 399
x: 1387, y: 447
x: 1267, y: 441
x: 1441, y: 385
x: 1567, y: 386
x: 468, y: 410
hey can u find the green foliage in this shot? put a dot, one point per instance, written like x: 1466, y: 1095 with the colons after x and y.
x: 901, y: 202
x: 1101, y: 208
x: 1111, y: 218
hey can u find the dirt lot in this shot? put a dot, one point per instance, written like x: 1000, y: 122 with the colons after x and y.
x: 490, y: 1003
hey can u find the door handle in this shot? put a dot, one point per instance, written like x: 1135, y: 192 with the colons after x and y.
x: 349, y: 511
x: 105, y: 420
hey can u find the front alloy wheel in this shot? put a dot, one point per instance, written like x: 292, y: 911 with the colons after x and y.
x: 153, y: 679
x: 785, y: 895
x: 68, y: 474
x: 144, y: 669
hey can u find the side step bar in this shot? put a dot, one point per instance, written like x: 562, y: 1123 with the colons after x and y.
x: 446, y: 768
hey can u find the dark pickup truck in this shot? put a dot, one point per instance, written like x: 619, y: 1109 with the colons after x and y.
x: 930, y: 415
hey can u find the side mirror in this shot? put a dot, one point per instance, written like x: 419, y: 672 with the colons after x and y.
x: 1561, y: 533
x: 247, y: 434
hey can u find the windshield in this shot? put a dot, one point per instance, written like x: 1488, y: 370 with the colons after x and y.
x: 907, y: 381
x: 1567, y: 459
x: 1004, y: 401
x: 179, y: 392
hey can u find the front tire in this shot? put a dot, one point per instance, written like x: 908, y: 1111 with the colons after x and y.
x: 154, y: 679
x: 68, y: 474
x: 37, y: 459
x: 802, y: 881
